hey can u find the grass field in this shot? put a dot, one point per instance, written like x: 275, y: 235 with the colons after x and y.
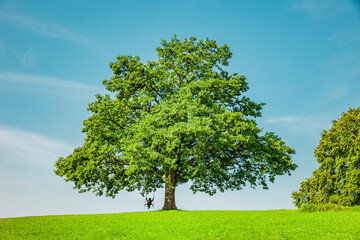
x: 275, y: 224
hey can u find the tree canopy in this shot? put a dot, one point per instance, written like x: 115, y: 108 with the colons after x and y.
x: 182, y: 118
x: 337, y: 180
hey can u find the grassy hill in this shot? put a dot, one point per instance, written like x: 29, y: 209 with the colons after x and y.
x: 275, y: 224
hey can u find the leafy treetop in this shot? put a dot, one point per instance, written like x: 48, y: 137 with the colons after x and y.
x: 180, y: 119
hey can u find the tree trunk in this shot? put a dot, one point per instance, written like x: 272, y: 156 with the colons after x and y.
x: 170, y: 184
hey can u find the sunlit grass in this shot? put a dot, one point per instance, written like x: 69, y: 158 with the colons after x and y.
x: 276, y: 224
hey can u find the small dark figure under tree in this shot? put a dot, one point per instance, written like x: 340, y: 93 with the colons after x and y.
x: 149, y: 202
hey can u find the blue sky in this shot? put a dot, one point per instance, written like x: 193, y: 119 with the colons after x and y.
x: 300, y: 57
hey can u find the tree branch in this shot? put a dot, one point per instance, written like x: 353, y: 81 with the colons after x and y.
x: 151, y: 89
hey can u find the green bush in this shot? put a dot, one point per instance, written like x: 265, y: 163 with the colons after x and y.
x: 327, y: 207
x: 336, y: 181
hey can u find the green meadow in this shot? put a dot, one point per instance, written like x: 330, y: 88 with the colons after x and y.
x: 274, y: 224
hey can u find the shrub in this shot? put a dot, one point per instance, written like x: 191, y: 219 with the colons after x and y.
x: 326, y: 207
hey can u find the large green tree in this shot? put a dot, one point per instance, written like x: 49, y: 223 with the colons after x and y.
x: 182, y: 118
x: 337, y: 180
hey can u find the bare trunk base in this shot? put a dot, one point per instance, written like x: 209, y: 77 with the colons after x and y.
x: 169, y: 203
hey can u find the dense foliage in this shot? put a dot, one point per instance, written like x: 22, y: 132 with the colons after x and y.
x: 180, y: 119
x: 337, y: 180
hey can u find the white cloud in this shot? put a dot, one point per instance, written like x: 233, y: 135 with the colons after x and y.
x: 334, y: 95
x: 308, y: 125
x: 28, y: 59
x: 26, y: 170
x: 29, y: 187
x: 29, y: 148
x: 46, y: 83
x: 40, y: 26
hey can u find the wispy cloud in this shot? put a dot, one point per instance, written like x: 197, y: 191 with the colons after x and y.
x: 334, y: 95
x: 324, y: 9
x: 29, y: 148
x: 300, y: 125
x: 26, y: 169
x: 29, y: 187
x: 47, y: 83
x: 28, y: 59
x: 41, y: 26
